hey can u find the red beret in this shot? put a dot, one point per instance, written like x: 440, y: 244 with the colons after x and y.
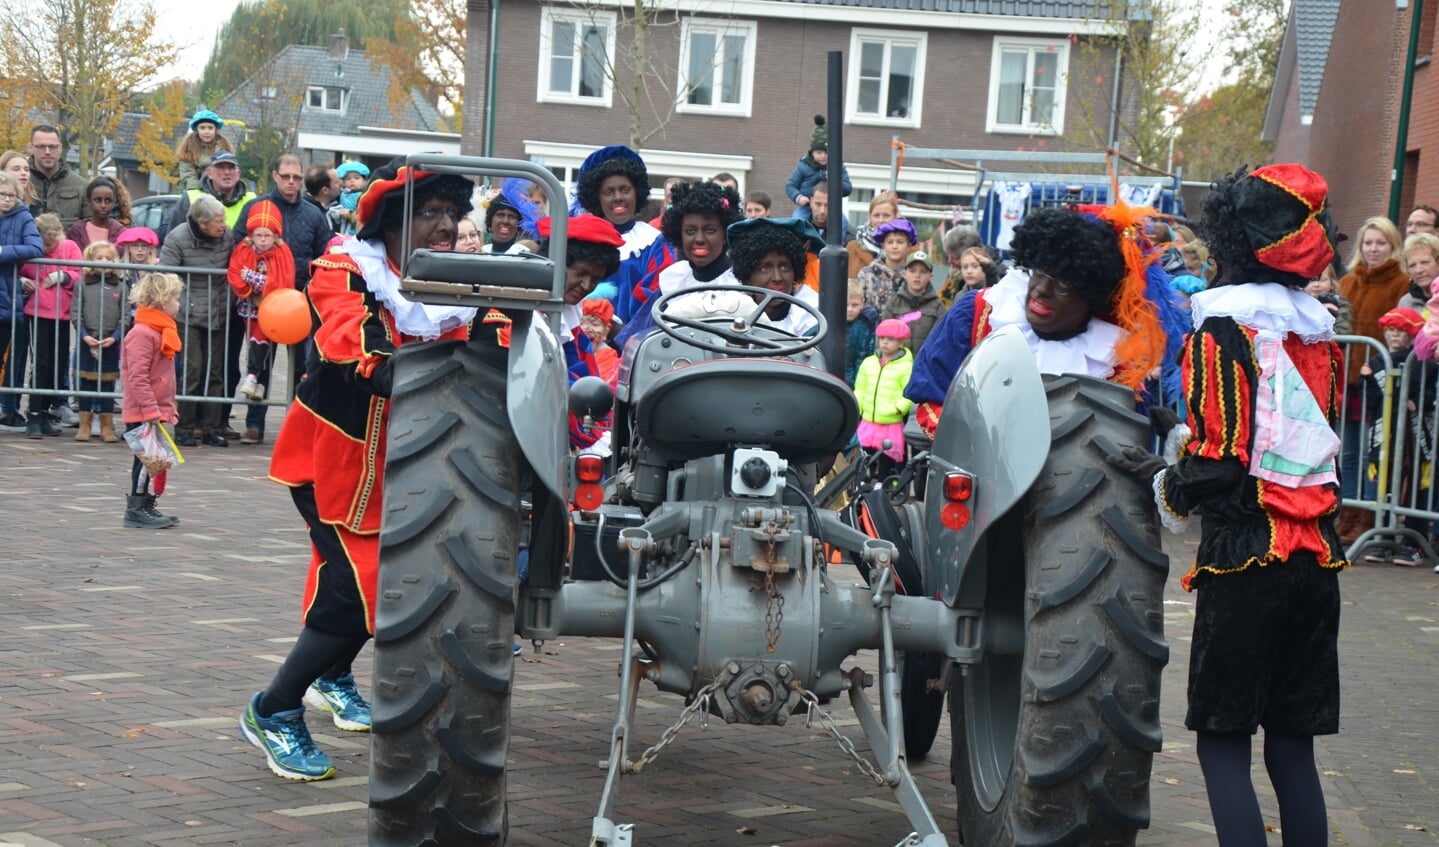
x: 1406, y: 319
x: 586, y: 227
x: 1282, y: 209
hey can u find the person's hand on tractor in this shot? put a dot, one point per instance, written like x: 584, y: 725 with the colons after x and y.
x: 1138, y: 462
x: 1173, y: 433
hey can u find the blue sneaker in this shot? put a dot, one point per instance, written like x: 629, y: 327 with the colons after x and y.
x: 342, y: 700
x: 286, y: 742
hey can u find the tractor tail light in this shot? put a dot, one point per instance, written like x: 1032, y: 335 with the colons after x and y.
x: 958, y: 486
x: 589, y: 468
x: 589, y: 496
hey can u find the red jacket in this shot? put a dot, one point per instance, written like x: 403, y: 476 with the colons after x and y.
x: 149, y: 377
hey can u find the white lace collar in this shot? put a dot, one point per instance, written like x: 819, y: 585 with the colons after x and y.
x: 1266, y: 306
x: 1090, y: 352
x: 411, y: 318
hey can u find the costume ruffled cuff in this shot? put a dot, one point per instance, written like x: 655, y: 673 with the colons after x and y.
x: 1172, y: 520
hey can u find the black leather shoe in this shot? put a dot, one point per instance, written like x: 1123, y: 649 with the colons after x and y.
x: 214, y: 439
x: 185, y: 438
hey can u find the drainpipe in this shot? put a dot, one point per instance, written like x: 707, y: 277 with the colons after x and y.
x: 490, y: 77
x: 1401, y: 141
x: 1114, y: 95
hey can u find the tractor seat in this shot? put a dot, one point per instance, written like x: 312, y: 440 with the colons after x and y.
x: 800, y: 412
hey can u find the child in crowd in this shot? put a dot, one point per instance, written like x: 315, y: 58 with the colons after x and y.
x: 879, y: 388
x: 19, y: 243
x: 1324, y: 289
x: 860, y: 322
x: 259, y: 265
x: 915, y: 302
x: 49, y: 289
x: 352, y: 184
x: 977, y: 269
x: 138, y: 245
x: 1400, y: 325
x: 596, y: 318
x: 100, y: 317
x: 757, y: 204
x: 198, y: 147
x: 149, y: 369
x: 882, y: 277
x: 811, y: 169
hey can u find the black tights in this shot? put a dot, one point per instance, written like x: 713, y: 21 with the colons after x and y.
x: 1225, y: 760
x: 316, y: 655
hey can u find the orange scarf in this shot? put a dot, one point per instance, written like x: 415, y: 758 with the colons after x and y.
x: 279, y: 264
x: 163, y: 324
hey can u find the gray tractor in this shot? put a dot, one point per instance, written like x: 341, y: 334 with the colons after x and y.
x: 1030, y: 589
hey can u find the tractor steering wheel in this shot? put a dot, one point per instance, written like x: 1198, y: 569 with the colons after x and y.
x: 739, y: 332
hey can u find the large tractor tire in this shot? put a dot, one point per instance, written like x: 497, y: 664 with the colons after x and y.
x: 1054, y: 742
x: 444, y: 627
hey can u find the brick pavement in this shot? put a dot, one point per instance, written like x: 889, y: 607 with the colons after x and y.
x: 127, y: 655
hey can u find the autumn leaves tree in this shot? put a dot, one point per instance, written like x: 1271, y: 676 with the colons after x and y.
x: 78, y: 62
x: 155, y: 142
x: 427, y: 54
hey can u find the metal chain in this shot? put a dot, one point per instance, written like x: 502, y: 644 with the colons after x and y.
x: 773, y: 611
x: 700, y: 704
x: 844, y: 743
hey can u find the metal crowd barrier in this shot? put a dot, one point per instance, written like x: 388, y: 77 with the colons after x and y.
x: 24, y: 330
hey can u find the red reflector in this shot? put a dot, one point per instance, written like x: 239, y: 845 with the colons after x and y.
x: 589, y: 468
x: 589, y: 496
x: 954, y: 516
x: 958, y: 486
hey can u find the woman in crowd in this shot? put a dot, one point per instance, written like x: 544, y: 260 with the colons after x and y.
x: 1375, y: 283
x: 331, y: 453
x: 17, y: 165
x: 866, y: 246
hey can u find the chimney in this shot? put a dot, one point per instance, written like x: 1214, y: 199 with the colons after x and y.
x: 339, y: 45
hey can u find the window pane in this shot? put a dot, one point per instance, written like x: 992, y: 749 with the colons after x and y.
x: 732, y: 71
x: 871, y: 69
x: 901, y: 80
x: 701, y: 70
x: 592, y: 63
x: 1010, y: 108
x: 562, y: 63
x: 1046, y: 79
x: 316, y: 98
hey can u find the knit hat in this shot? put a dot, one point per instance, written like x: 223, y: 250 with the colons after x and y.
x: 498, y: 202
x: 1284, y: 213
x: 205, y: 116
x: 598, y: 307
x: 892, y: 328
x: 897, y: 225
x: 819, y: 136
x: 264, y: 213
x: 347, y: 168
x: 138, y: 235
x: 1406, y: 319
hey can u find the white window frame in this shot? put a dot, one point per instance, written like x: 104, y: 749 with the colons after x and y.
x: 859, y: 35
x: 1031, y: 46
x: 549, y: 16
x: 719, y: 28
x: 324, y: 92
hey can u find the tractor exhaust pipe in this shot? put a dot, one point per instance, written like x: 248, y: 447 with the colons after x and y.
x: 834, y: 258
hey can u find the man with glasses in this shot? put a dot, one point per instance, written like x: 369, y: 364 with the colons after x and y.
x: 1422, y: 219
x: 57, y: 188
x: 220, y: 180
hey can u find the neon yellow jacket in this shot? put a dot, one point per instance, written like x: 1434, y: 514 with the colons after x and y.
x: 879, y: 388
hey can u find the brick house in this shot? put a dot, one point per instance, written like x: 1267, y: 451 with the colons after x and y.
x: 737, y: 91
x: 1336, y: 101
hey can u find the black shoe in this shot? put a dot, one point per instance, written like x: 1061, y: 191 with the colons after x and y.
x: 12, y: 422
x: 185, y: 438
x: 214, y: 439
x: 47, y: 424
x: 136, y: 517
x: 32, y: 426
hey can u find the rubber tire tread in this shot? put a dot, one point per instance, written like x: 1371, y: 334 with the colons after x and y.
x: 1094, y: 651
x: 444, y: 622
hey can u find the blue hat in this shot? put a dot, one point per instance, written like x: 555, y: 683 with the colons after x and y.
x: 347, y: 168
x: 605, y: 154
x: 799, y: 227
x: 205, y: 116
x: 224, y: 156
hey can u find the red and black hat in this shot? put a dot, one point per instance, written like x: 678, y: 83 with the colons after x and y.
x: 1283, y: 210
x: 386, y: 186
x: 586, y: 227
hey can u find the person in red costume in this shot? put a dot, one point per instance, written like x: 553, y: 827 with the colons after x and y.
x: 331, y: 453
x: 1262, y: 375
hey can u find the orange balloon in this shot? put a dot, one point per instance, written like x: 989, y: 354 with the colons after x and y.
x: 285, y: 316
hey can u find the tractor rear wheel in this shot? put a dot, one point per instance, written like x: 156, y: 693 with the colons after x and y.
x: 444, y: 626
x: 1053, y: 743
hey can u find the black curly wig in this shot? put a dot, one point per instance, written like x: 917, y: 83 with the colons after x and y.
x: 452, y: 187
x: 1223, y: 231
x: 703, y: 198
x: 588, y: 190
x: 603, y: 256
x: 1071, y: 246
x: 755, y: 241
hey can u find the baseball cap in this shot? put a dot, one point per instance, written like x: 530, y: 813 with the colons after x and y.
x: 919, y: 256
x: 222, y: 156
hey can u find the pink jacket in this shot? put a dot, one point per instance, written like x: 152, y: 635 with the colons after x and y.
x: 149, y: 378
x: 53, y: 302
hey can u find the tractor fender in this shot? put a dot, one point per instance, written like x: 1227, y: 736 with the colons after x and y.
x: 538, y: 400
x: 995, y: 427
